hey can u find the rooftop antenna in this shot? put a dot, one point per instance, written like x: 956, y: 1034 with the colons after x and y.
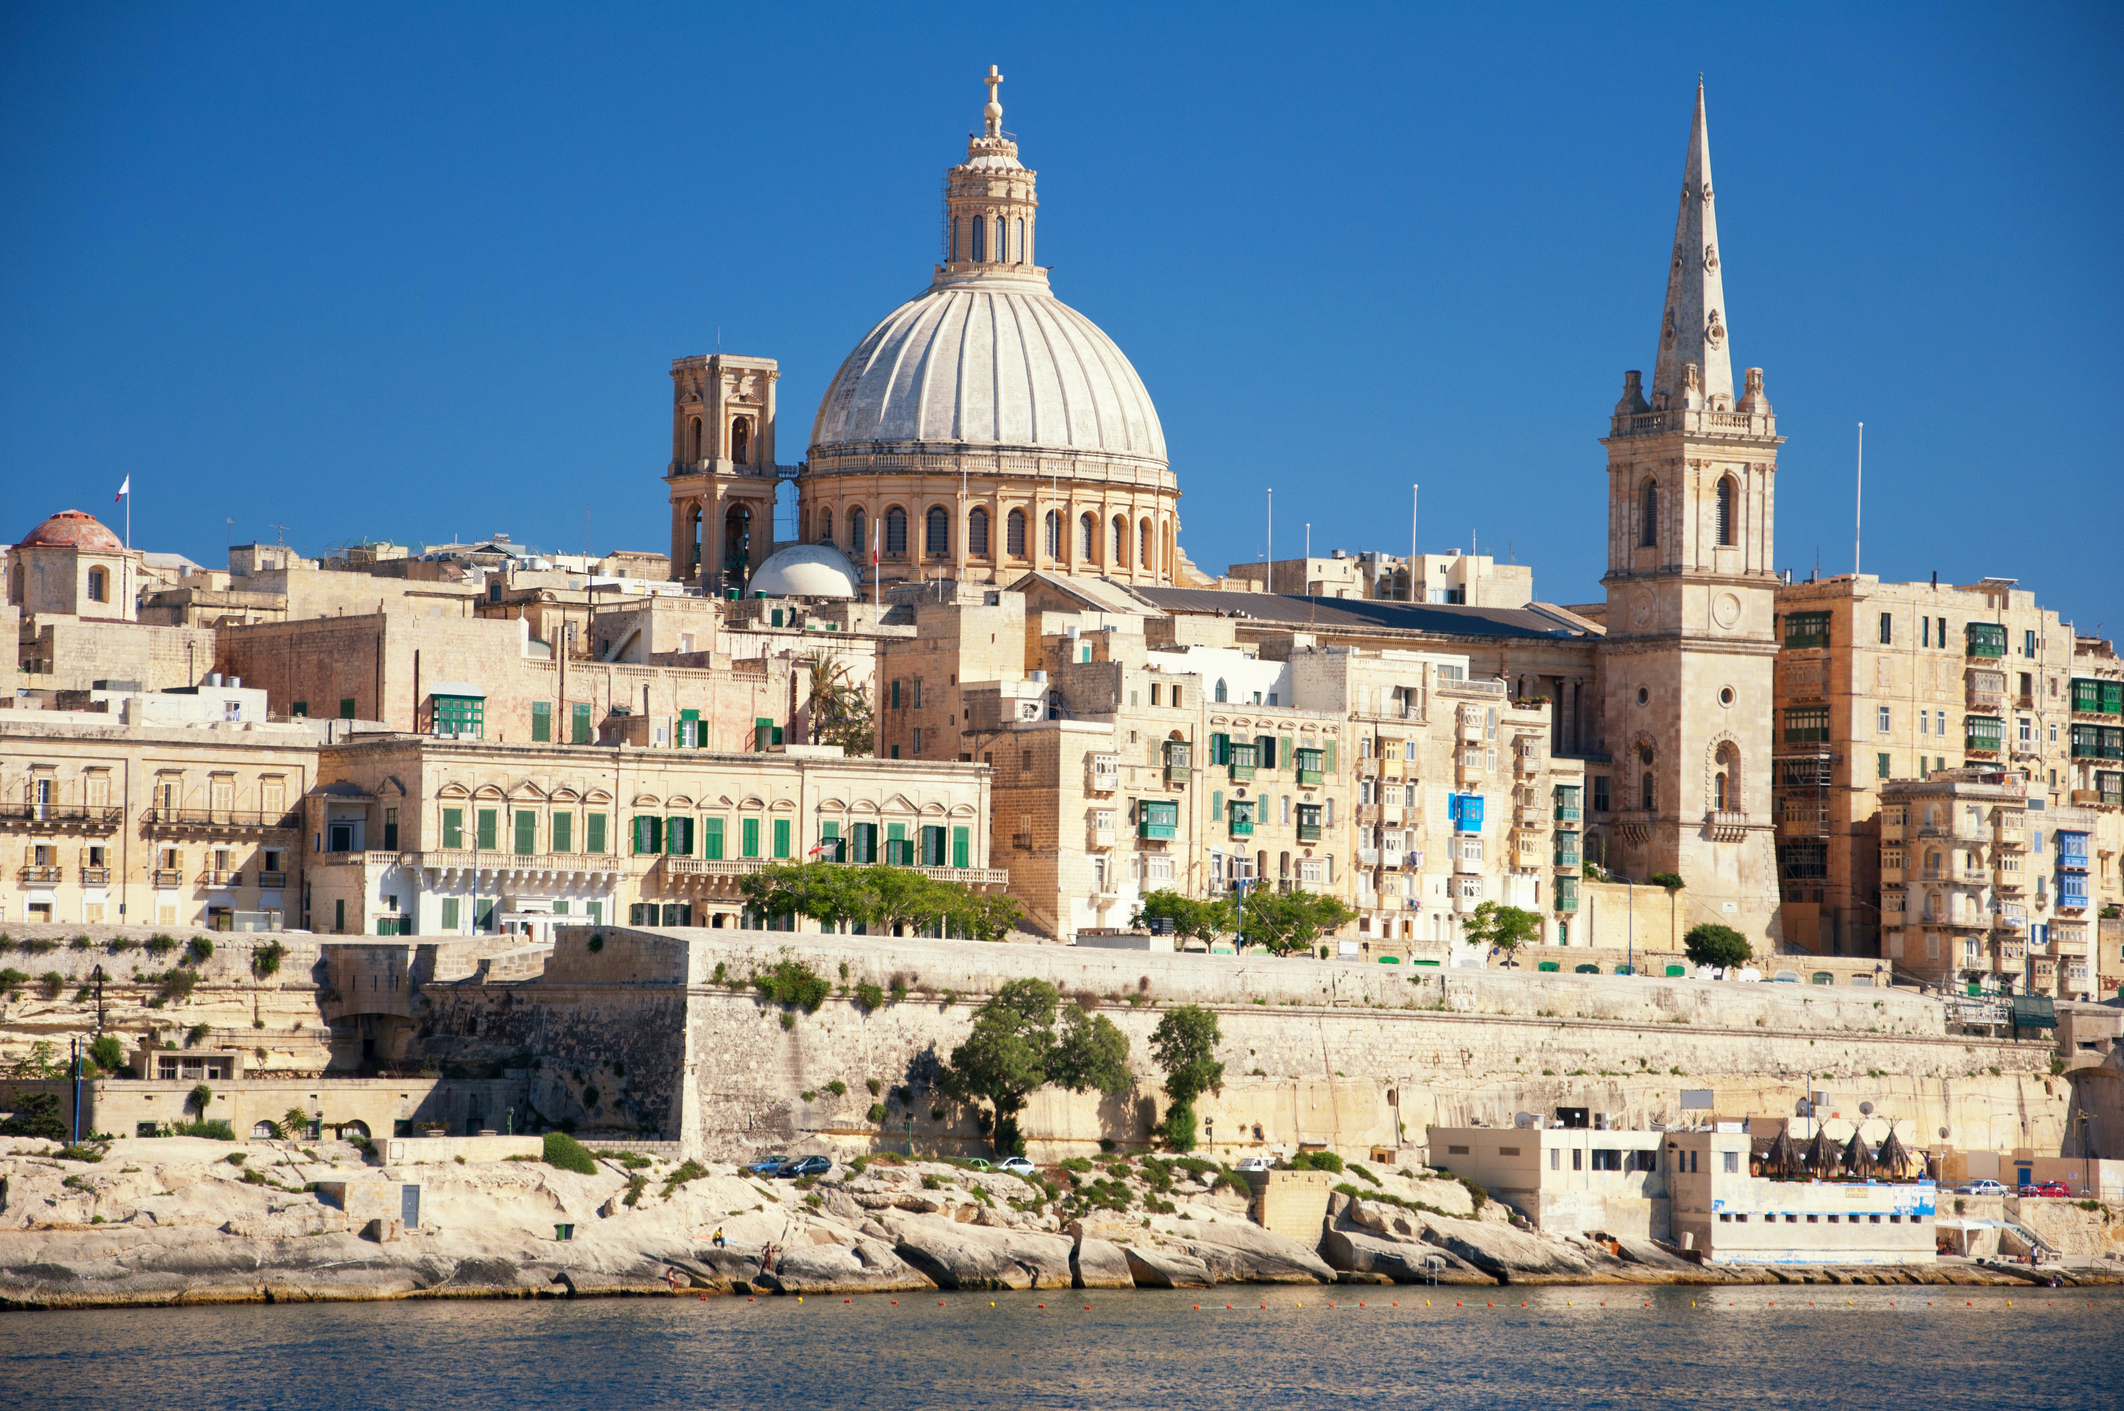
x: 1415, y: 561
x: 283, y: 532
x: 1858, y: 503
x: 1270, y: 556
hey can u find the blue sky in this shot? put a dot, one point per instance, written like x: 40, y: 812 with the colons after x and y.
x: 419, y: 272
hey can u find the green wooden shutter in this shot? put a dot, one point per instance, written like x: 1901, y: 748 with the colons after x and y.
x: 564, y: 832
x: 1289, y: 752
x: 1331, y: 756
x: 866, y: 842
x: 648, y: 833
x: 678, y: 836
x: 453, y: 830
x: 750, y: 837
x: 712, y: 839
x: 1216, y: 806
x: 489, y: 822
x: 449, y: 913
x: 1220, y: 748
x: 781, y: 837
x: 541, y: 722
x: 579, y: 723
x: 961, y: 850
x: 593, y: 832
x: 526, y: 831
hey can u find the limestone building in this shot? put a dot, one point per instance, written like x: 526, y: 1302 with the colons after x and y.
x: 1686, y: 662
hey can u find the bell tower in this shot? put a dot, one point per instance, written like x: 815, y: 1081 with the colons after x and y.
x: 1688, y: 659
x: 990, y: 206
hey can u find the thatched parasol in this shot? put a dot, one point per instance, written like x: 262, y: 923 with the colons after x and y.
x: 1821, y: 1154
x: 1783, y: 1158
x: 1858, y: 1157
x: 1893, y: 1160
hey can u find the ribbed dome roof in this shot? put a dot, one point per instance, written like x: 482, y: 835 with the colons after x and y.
x: 994, y: 360
x: 70, y: 529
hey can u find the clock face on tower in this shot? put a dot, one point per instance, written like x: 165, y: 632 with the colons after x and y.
x: 1641, y: 611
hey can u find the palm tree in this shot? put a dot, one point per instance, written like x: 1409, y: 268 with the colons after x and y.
x: 840, y: 711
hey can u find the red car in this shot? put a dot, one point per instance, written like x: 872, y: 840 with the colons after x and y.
x: 2058, y: 1188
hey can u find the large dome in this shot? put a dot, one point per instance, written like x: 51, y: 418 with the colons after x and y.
x: 70, y: 529
x: 993, y: 361
x: 806, y: 571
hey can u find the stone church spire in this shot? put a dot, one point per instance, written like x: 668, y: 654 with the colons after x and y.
x: 991, y: 210
x: 1692, y: 332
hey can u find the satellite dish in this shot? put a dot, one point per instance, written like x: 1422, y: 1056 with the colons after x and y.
x: 1865, y: 1109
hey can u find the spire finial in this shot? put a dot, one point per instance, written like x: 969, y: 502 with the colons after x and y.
x: 993, y: 113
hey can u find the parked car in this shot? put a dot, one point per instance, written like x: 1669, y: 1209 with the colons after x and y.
x: 978, y: 1164
x: 1980, y: 1188
x: 2052, y: 1188
x: 1017, y: 1166
x: 804, y: 1166
x: 768, y: 1165
x: 1258, y: 1163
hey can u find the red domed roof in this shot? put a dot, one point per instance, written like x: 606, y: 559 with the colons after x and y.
x: 70, y: 529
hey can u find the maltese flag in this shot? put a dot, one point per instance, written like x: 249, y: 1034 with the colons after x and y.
x: 124, y: 489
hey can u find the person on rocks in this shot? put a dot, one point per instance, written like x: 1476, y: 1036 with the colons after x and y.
x: 718, y: 1239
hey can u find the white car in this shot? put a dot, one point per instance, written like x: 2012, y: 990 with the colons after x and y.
x: 1258, y: 1163
x: 1016, y: 1165
x: 1981, y: 1188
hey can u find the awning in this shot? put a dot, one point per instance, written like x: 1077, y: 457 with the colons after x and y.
x: 457, y: 688
x: 2034, y: 1012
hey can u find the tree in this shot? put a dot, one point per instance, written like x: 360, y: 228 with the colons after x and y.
x: 1505, y: 927
x: 1185, y: 1045
x: 878, y: 898
x: 840, y: 712
x: 198, y: 1098
x: 35, y: 1115
x: 1287, y: 922
x: 1672, y: 881
x: 1713, y: 944
x: 1192, y: 918
x: 1013, y: 1051
x: 107, y: 1053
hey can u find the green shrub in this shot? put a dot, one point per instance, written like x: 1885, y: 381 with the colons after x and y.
x: 235, y: 1158
x: 1710, y: 943
x: 690, y: 1171
x: 837, y: 1088
x: 567, y: 1154
x: 35, y: 1115
x: 870, y: 996
x: 788, y: 1019
x: 161, y: 945
x: 1672, y: 881
x: 198, y: 950
x: 121, y: 945
x: 1178, y: 1127
x: 810, y: 1094
x: 792, y: 982
x: 196, y: 1033
x: 50, y: 983
x: 80, y: 943
x: 877, y: 1112
x: 1357, y: 1170
x: 1317, y: 1161
x: 265, y: 959
x: 11, y: 982
x: 636, y: 1184
x: 40, y: 946
x: 82, y: 1152
x: 876, y: 1087
x: 7, y: 943
x: 597, y: 942
x: 214, y: 1129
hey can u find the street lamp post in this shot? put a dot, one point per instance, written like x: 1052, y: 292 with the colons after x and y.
x: 97, y: 977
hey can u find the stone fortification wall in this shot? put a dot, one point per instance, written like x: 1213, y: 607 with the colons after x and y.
x: 1344, y: 1055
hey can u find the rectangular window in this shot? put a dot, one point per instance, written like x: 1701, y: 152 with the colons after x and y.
x: 899, y: 851
x: 1807, y: 629
x: 895, y: 695
x: 865, y: 848
x: 961, y: 847
x: 1887, y: 629
x: 1578, y: 1158
x: 1806, y: 724
x: 346, y: 708
x: 678, y: 836
x: 781, y: 837
x: 593, y: 832
x: 1600, y: 793
x: 526, y: 831
x: 541, y: 722
x: 579, y: 723
x: 1555, y: 1158
x: 2028, y: 640
x: 648, y: 833
x: 564, y: 832
x: 489, y: 822
x: 453, y: 827
x: 1732, y: 1162
x: 1883, y: 720
x: 1880, y: 766
x: 450, y: 914
x: 712, y: 839
x: 1925, y: 631
x: 460, y: 715
x: 749, y: 837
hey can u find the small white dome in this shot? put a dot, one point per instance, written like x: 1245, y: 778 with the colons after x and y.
x: 806, y: 571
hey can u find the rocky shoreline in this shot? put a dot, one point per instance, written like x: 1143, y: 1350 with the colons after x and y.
x: 190, y: 1221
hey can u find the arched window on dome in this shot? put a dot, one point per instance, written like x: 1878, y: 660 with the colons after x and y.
x: 980, y: 239
x: 977, y: 532
x: 693, y: 440
x: 1120, y: 542
x: 1648, y: 515
x: 856, y: 526
x: 1144, y: 556
x: 1054, y: 535
x: 896, y: 532
x: 953, y: 253
x: 1019, y: 244
x: 1002, y: 241
x: 825, y: 526
x: 1728, y: 529
x: 1014, y: 534
x: 1220, y: 690
x: 936, y: 532
x: 99, y: 585
x: 1088, y: 537
x: 741, y: 441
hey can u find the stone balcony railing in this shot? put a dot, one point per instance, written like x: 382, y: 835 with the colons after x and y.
x: 1696, y: 422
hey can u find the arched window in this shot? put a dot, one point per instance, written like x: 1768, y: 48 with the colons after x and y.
x: 977, y: 532
x: 737, y: 539
x: 1020, y: 246
x: 1648, y: 516
x: 1718, y: 792
x: 896, y: 531
x: 1002, y: 241
x: 693, y: 440
x: 980, y: 239
x: 741, y: 441
x: 936, y: 532
x: 1144, y: 558
x: 1088, y: 537
x: 1647, y: 783
x: 953, y: 255
x: 1054, y: 534
x: 826, y: 526
x: 1014, y: 534
x: 1120, y: 556
x: 99, y: 585
x: 1728, y: 530
x: 1220, y: 690
x: 856, y: 526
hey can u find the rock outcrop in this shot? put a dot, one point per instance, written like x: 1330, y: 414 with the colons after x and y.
x: 968, y: 1256
x: 1153, y: 1267
x: 1099, y: 1264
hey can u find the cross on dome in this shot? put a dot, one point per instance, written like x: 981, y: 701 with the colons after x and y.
x: 994, y: 111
